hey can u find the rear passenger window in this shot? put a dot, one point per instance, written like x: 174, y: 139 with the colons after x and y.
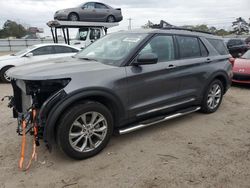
x: 64, y: 49
x: 162, y: 46
x: 219, y: 45
x: 204, y: 52
x: 189, y: 46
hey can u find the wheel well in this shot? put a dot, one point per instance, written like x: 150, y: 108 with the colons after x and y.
x: 111, y: 15
x: 223, y: 81
x: 7, y: 66
x: 100, y: 99
x: 74, y: 13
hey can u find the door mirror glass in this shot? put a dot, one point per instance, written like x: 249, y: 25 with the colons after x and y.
x: 29, y: 54
x: 146, y: 59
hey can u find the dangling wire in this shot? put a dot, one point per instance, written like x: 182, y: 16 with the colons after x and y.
x: 23, y: 147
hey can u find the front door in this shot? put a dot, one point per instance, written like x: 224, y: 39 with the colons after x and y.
x: 155, y: 87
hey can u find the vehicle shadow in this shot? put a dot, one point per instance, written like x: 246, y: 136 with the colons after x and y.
x: 241, y: 86
x: 119, y: 142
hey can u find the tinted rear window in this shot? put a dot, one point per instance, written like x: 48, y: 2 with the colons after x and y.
x: 190, y: 47
x: 64, y: 49
x: 233, y: 42
x: 219, y: 45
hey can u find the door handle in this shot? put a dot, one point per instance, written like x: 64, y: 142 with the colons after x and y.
x: 208, y: 60
x: 171, y: 66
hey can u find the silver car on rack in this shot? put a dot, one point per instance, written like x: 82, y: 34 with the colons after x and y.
x: 90, y: 11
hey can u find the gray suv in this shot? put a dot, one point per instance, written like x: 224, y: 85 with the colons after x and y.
x: 122, y: 82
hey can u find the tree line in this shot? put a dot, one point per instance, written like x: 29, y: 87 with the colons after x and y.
x: 239, y: 27
x: 13, y: 29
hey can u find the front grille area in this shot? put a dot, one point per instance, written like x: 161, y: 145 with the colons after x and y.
x: 241, y: 77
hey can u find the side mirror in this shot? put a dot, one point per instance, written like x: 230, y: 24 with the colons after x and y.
x: 29, y: 54
x: 146, y: 59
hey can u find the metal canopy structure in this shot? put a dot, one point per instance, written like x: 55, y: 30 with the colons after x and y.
x: 65, y: 25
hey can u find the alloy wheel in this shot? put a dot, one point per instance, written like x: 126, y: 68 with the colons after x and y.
x: 7, y: 78
x: 88, y: 131
x: 214, y: 96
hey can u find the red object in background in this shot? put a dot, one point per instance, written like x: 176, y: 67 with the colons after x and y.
x: 241, y: 69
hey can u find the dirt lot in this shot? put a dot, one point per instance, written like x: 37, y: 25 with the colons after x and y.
x: 5, y: 53
x: 193, y: 151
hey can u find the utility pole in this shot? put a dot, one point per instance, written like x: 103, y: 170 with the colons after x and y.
x: 130, y: 24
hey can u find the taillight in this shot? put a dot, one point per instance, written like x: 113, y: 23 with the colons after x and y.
x: 231, y: 60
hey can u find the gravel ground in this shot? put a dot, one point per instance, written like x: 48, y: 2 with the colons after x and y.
x: 193, y: 151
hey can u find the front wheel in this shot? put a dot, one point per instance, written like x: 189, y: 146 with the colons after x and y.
x: 4, y: 77
x: 213, y: 97
x: 73, y: 17
x: 84, y: 130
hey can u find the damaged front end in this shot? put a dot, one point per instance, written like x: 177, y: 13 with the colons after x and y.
x: 37, y: 96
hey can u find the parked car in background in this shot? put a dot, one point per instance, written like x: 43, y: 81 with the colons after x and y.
x: 236, y: 47
x: 247, y: 40
x: 122, y: 82
x: 241, y: 69
x: 33, y: 54
x: 90, y: 11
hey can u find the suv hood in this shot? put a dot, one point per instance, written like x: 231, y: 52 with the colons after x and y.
x: 55, y: 69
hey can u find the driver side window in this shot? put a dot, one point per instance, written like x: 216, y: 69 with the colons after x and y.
x: 89, y: 6
x: 46, y: 50
x: 162, y: 46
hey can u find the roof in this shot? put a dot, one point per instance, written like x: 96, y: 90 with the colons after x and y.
x: 54, y: 44
x: 74, y: 24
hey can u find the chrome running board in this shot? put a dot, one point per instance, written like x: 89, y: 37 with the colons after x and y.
x: 172, y: 116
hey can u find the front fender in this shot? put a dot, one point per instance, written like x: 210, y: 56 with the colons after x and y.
x: 71, y: 98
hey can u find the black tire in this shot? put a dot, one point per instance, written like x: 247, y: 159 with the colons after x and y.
x: 110, y: 19
x: 73, y: 17
x: 2, y: 74
x: 205, y: 107
x: 70, y: 117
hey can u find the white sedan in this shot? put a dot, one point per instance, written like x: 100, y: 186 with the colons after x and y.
x: 33, y: 54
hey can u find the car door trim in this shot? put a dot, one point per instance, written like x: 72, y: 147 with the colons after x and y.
x: 166, y: 107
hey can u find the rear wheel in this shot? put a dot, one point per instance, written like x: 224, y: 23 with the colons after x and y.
x: 213, y: 97
x: 4, y: 76
x: 111, y: 19
x: 84, y: 130
x: 73, y: 17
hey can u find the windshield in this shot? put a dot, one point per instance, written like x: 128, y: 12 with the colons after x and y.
x: 246, y: 55
x: 24, y: 51
x: 112, y: 49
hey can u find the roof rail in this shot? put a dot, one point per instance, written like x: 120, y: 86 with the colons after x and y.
x: 165, y: 25
x: 186, y: 29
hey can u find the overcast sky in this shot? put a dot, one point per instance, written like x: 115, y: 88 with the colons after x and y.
x: 219, y: 13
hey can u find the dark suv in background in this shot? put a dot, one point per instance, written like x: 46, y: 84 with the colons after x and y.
x: 237, y: 47
x: 122, y: 82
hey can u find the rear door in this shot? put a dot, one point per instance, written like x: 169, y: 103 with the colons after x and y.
x: 193, y: 66
x: 87, y: 12
x: 102, y: 11
x: 154, y: 87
